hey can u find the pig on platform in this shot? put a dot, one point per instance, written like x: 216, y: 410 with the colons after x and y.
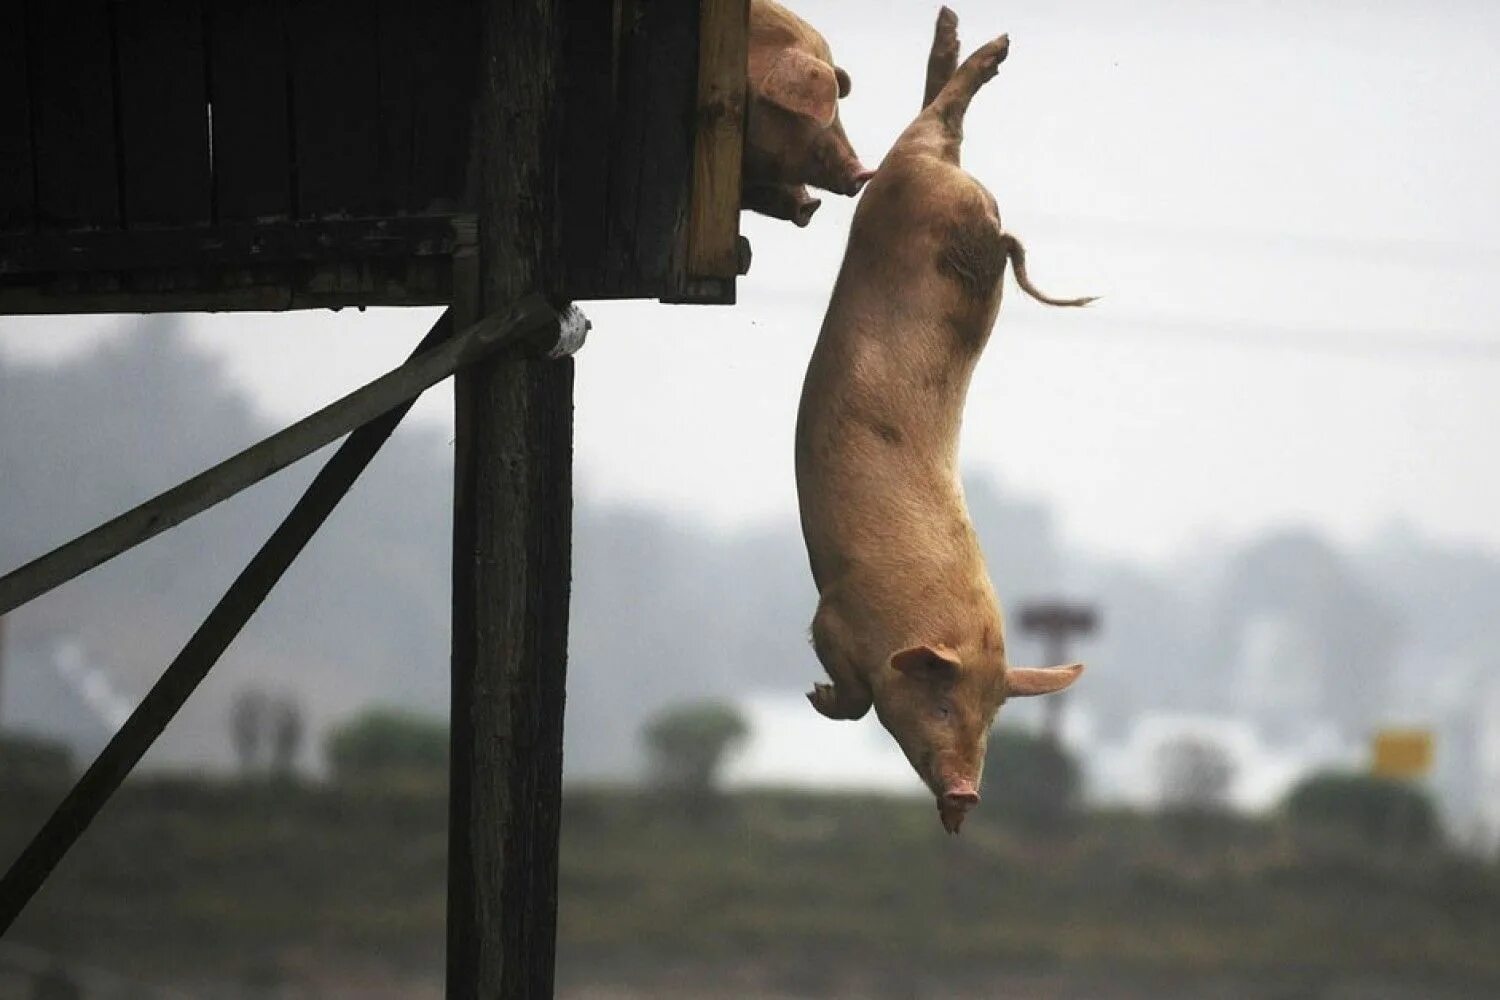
x: 907, y: 617
x: 793, y: 135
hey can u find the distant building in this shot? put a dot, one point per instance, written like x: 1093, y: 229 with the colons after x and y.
x: 1128, y: 772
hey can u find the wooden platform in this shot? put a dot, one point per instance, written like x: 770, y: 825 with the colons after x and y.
x: 178, y: 155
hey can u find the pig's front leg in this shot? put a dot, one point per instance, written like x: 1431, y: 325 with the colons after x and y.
x: 781, y: 201
x: 848, y: 697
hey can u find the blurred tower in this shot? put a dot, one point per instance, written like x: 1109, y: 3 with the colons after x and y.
x: 1057, y: 622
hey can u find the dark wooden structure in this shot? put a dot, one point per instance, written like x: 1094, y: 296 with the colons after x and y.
x: 281, y: 154
x: 500, y: 157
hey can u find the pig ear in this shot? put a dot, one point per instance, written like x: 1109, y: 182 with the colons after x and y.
x: 845, y: 84
x: 1022, y: 682
x: 935, y: 662
x: 803, y: 85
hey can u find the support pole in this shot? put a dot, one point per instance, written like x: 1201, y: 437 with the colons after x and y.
x: 511, y: 541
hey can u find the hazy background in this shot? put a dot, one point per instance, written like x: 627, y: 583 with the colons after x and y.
x: 1267, y: 454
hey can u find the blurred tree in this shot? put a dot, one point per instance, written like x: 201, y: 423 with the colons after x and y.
x: 380, y: 742
x: 1298, y: 581
x: 1363, y: 810
x: 247, y: 721
x: 34, y: 760
x: 1030, y: 779
x: 689, y: 743
x: 287, y: 730
x: 1194, y: 775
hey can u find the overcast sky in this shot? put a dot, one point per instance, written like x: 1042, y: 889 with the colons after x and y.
x: 1291, y: 211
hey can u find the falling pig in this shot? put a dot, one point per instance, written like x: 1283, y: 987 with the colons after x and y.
x: 793, y: 134
x: 907, y: 619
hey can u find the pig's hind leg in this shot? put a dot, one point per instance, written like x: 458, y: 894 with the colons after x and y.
x: 952, y: 101
x: 943, y: 59
x: 848, y: 697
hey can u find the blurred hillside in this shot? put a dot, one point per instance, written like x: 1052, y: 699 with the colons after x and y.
x: 249, y: 890
x: 1287, y: 633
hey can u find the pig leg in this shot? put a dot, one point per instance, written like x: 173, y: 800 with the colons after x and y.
x: 944, y: 58
x: 780, y: 201
x: 952, y: 102
x: 847, y: 697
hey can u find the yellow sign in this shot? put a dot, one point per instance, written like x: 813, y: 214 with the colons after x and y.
x: 1403, y: 753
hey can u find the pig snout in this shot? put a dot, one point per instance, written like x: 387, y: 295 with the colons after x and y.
x: 836, y: 167
x: 844, y: 178
x: 955, y: 803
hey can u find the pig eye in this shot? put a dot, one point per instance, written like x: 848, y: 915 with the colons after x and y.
x: 942, y: 711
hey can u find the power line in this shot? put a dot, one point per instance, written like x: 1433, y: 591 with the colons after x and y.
x: 1440, y: 346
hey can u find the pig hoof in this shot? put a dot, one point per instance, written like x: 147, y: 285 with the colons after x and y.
x: 823, y: 699
x: 804, y: 213
x: 826, y: 698
x: 994, y: 55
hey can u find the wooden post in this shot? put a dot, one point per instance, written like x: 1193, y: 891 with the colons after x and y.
x: 511, y: 540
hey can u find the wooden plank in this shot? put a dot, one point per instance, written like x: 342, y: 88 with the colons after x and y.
x: 587, y: 123
x: 163, y: 101
x: 233, y: 245
x: 714, y: 219
x: 530, y: 318
x: 429, y: 60
x: 17, y: 172
x: 182, y: 677
x: 511, y: 535
x: 73, y: 112
x: 249, y: 74
x: 336, y: 106
x: 426, y: 282
x: 651, y: 160
x: 400, y: 24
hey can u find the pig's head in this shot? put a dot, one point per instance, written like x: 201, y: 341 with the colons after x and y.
x: 940, y: 703
x: 793, y: 133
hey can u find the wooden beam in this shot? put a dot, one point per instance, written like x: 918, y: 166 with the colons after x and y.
x: 276, y: 452
x: 425, y: 281
x: 511, y: 540
x: 181, y: 678
x: 230, y: 245
x: 714, y: 219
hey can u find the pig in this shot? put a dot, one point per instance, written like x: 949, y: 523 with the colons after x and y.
x: 907, y: 618
x: 793, y: 136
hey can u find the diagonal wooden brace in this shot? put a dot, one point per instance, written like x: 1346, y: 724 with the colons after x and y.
x: 532, y: 327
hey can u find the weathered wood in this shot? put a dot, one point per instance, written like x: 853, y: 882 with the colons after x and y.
x: 714, y: 220
x: 202, y: 651
x: 429, y: 60
x: 229, y: 245
x: 329, y: 263
x: 163, y: 103
x: 651, y: 172
x: 249, y: 69
x: 512, y: 514
x: 17, y: 172
x: 589, y: 130
x: 425, y: 281
x: 276, y: 452
x: 336, y: 106
x: 73, y: 119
